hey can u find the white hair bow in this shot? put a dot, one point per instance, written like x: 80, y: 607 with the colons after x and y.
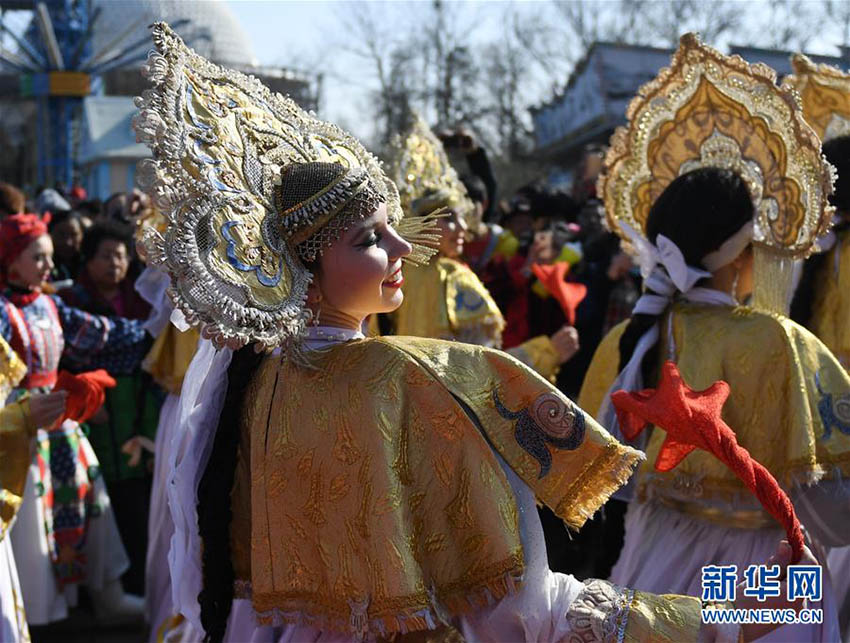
x: 664, y: 253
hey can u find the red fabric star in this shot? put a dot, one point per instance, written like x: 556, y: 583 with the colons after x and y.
x: 568, y: 294
x: 692, y: 419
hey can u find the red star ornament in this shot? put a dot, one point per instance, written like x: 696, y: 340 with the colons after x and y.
x: 569, y: 295
x: 692, y: 419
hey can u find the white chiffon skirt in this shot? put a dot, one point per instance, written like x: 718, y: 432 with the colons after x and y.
x: 839, y: 569
x: 158, y: 604
x: 665, y: 550
x: 14, y: 626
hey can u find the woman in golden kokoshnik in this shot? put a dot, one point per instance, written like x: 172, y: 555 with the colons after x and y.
x: 449, y: 301
x: 718, y: 184
x: 343, y: 488
x: 822, y: 299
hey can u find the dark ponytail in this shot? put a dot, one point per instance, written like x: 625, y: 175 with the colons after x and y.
x: 837, y: 152
x: 698, y: 211
x: 214, y: 510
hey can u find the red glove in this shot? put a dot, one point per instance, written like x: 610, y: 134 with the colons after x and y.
x: 86, y: 393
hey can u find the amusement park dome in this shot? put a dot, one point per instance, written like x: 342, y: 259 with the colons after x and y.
x: 213, y: 29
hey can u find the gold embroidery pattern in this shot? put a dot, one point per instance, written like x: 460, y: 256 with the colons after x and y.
x: 458, y: 510
x: 429, y: 523
x: 824, y: 94
x: 450, y: 303
x: 552, y: 420
x: 14, y: 439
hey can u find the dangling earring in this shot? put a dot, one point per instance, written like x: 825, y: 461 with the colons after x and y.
x: 734, y: 292
x: 317, y: 301
x: 314, y: 299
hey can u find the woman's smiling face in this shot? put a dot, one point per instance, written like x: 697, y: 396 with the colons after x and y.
x: 32, y: 267
x: 360, y: 273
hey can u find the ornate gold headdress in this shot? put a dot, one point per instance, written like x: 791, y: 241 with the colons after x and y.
x: 228, y: 153
x: 825, y: 96
x: 421, y: 169
x: 711, y: 110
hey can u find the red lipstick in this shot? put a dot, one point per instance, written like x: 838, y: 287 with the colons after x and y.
x: 395, y: 280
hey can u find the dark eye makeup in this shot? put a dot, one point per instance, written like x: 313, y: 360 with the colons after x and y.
x: 373, y: 238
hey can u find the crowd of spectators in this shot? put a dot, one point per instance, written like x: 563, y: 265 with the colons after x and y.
x: 95, y: 268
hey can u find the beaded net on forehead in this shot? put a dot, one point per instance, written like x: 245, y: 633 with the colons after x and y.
x: 317, y: 202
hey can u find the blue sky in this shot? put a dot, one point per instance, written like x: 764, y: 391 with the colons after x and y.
x: 311, y: 35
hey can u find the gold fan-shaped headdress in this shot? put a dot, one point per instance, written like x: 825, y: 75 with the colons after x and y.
x: 227, y: 155
x: 825, y: 96
x: 711, y: 110
x: 423, y: 173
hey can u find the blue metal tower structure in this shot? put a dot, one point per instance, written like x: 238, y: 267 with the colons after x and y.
x: 60, y: 106
x: 56, y: 64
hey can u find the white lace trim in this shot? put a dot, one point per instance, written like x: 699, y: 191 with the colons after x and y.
x: 600, y: 613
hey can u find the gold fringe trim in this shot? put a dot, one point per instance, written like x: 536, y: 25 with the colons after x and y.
x: 599, y: 480
x: 773, y: 275
x: 418, y: 612
x: 423, y: 234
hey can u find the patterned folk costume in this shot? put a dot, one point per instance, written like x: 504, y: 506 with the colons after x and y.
x: 64, y: 498
x: 382, y: 486
x: 710, y: 110
x: 450, y: 302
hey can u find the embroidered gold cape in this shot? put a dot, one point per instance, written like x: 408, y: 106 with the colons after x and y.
x: 16, y: 431
x: 375, y: 493
x: 788, y: 404
x: 830, y: 319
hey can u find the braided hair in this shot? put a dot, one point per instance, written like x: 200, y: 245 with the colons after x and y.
x: 698, y: 211
x: 214, y: 509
